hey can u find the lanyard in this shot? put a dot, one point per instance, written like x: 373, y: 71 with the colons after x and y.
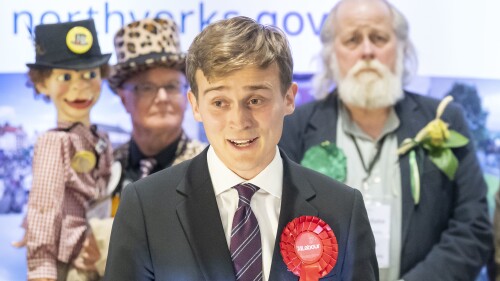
x: 368, y: 169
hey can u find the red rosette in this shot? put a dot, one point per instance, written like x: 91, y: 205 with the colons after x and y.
x: 309, y: 248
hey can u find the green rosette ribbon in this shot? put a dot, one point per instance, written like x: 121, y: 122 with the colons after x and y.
x: 328, y: 159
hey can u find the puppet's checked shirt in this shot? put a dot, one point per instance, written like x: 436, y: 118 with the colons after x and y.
x: 59, y: 196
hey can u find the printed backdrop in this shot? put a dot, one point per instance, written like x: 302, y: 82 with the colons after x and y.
x: 455, y: 40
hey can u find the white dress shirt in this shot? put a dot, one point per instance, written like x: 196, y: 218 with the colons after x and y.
x: 265, y: 203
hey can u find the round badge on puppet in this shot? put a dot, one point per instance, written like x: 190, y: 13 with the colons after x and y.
x: 83, y: 161
x: 309, y: 247
x: 79, y: 40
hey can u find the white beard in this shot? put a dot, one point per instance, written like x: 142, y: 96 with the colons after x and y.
x: 370, y: 84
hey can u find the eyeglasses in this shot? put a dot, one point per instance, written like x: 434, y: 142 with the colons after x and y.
x: 150, y: 90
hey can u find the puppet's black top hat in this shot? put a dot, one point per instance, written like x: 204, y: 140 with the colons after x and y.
x: 69, y: 45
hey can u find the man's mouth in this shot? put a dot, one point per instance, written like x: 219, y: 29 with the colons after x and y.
x: 368, y: 74
x: 368, y: 69
x: 242, y: 143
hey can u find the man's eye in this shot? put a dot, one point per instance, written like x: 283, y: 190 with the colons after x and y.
x: 174, y: 89
x: 146, y: 88
x: 220, y: 104
x: 378, y: 39
x: 64, y: 77
x: 255, y: 101
x: 352, y: 40
x: 89, y: 75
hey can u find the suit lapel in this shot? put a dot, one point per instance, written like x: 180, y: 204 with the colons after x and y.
x: 294, y: 203
x: 200, y: 219
x: 408, y: 128
x: 323, y: 122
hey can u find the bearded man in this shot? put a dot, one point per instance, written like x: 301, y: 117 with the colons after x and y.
x: 423, y: 220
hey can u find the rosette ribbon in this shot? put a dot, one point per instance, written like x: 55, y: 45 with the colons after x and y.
x: 309, y: 248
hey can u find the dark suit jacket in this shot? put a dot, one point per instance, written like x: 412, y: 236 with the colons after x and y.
x: 448, y: 235
x: 168, y: 226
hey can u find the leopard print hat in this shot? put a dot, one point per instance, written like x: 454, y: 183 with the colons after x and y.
x: 143, y: 44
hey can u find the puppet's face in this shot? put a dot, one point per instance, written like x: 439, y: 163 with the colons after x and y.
x: 73, y: 92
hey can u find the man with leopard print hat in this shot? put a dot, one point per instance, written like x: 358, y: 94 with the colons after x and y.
x: 149, y: 78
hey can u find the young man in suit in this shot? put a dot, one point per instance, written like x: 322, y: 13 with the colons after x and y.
x: 430, y: 220
x: 177, y: 224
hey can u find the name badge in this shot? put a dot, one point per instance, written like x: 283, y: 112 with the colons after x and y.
x: 379, y: 215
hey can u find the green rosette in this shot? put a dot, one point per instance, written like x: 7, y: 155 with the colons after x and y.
x: 327, y: 159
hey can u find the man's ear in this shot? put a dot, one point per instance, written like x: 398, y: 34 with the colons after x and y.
x: 194, y: 105
x: 290, y: 98
x: 123, y: 97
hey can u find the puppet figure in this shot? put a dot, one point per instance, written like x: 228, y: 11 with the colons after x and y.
x: 71, y: 163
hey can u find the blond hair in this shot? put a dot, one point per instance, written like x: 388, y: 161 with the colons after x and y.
x: 232, y: 44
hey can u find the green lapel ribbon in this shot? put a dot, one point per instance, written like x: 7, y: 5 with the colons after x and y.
x: 414, y: 178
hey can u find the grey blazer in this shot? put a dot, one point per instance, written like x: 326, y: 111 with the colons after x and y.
x: 168, y: 226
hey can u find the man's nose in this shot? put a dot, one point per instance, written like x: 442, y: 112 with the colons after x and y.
x: 162, y: 94
x: 368, y: 50
x: 241, y: 117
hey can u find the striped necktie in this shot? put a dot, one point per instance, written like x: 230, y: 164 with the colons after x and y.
x: 245, y: 245
x: 146, y: 166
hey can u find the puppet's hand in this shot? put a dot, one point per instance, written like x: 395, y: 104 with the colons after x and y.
x: 89, y: 254
x: 21, y: 243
